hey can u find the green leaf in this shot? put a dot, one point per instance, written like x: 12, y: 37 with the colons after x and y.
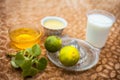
x: 42, y: 63
x: 19, y: 59
x: 29, y: 72
x: 36, y: 50
x: 25, y: 73
x: 13, y: 63
x: 26, y: 65
x: 27, y: 68
x: 29, y: 51
x: 33, y: 71
x: 28, y: 61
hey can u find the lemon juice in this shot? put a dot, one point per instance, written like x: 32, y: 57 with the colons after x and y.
x: 24, y: 37
x: 53, y: 24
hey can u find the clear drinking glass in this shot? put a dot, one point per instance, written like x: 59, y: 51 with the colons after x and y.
x: 99, y: 23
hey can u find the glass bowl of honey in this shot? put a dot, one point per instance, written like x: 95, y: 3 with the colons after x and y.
x: 23, y: 36
x: 53, y: 25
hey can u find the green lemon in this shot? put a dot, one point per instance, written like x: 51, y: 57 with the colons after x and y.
x: 69, y: 55
x: 53, y: 43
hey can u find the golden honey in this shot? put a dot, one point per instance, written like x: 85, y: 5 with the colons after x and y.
x: 24, y: 37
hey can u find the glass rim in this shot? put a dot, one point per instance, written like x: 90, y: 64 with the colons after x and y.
x: 35, y: 28
x: 102, y: 12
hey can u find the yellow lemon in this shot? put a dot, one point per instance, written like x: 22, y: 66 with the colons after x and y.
x: 69, y: 55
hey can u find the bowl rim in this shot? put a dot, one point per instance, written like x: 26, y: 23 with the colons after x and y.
x: 54, y: 18
x: 40, y: 31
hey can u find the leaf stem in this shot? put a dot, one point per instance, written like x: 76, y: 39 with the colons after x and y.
x: 23, y: 52
x: 31, y: 57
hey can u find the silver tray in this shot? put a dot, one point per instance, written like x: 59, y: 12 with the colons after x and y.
x: 89, y: 55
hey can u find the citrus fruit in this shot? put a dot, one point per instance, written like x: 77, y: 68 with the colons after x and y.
x: 69, y: 55
x: 53, y: 43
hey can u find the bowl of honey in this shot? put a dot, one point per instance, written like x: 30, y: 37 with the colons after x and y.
x: 23, y: 36
x: 53, y: 25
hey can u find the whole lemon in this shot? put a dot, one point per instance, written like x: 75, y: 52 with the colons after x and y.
x: 53, y: 43
x: 69, y: 55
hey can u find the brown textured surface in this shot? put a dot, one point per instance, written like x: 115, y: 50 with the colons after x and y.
x: 13, y: 12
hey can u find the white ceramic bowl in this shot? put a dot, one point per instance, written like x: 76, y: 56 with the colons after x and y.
x: 53, y: 31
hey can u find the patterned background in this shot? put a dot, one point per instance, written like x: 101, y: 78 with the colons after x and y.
x: 13, y: 12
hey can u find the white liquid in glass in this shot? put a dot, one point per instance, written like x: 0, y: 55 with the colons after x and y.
x: 98, y: 26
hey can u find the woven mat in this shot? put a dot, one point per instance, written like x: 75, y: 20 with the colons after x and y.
x: 14, y: 12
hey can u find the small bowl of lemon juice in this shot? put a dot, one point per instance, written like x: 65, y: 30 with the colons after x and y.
x: 53, y: 25
x: 25, y: 35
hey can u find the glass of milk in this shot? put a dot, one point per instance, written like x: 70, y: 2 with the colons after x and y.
x: 99, y: 23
